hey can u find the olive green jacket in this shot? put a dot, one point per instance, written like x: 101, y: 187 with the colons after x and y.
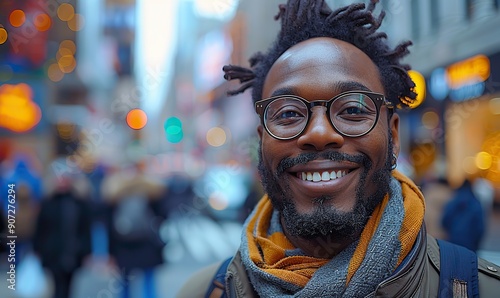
x: 418, y: 278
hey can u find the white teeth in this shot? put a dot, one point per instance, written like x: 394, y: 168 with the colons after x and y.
x: 324, y: 176
x: 316, y: 177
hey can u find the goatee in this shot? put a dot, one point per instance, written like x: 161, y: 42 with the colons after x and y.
x: 325, y: 221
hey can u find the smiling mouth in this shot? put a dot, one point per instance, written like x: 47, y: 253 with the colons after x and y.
x: 321, y: 176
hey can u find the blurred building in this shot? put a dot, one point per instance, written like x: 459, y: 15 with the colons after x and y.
x: 455, y: 132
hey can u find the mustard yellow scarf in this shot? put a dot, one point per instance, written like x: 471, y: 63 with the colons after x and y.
x: 268, y: 255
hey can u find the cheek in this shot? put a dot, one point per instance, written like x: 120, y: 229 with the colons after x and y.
x: 379, y: 146
x: 273, y: 151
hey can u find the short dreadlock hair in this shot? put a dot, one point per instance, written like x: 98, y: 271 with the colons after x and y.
x: 356, y: 24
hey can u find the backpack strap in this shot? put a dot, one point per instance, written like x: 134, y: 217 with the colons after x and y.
x: 218, y: 284
x: 458, y: 275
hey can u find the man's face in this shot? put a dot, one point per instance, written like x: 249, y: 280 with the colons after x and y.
x: 319, y: 69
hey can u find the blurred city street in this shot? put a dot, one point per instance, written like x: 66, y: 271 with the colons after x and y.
x: 119, y: 138
x: 197, y: 242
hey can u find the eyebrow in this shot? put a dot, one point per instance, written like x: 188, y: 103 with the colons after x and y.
x: 343, y: 86
x: 350, y: 86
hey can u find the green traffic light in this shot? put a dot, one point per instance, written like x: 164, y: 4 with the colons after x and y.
x: 173, y: 130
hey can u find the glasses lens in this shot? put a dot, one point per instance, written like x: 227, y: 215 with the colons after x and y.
x: 353, y: 114
x: 285, y: 117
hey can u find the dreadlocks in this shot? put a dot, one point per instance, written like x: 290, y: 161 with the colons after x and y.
x: 306, y: 19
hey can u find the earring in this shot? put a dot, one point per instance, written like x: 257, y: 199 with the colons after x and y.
x: 394, y: 162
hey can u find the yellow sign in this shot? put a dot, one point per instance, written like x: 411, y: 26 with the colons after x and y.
x: 472, y: 70
x: 18, y: 112
x: 419, y: 88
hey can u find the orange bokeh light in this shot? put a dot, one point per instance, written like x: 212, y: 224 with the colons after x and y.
x: 65, y: 12
x: 137, y: 119
x: 42, y: 22
x: 76, y: 23
x: 17, y: 18
x: 68, y: 45
x: 3, y: 35
x: 54, y: 72
x: 18, y: 112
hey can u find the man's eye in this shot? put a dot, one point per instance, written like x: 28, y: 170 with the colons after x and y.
x: 354, y: 110
x: 289, y: 114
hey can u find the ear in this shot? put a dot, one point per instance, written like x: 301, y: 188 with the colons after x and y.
x: 394, y: 127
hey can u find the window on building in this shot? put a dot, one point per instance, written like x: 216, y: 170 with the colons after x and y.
x: 415, y: 19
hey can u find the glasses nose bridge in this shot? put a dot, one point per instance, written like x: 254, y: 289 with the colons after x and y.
x: 317, y: 103
x: 321, y: 113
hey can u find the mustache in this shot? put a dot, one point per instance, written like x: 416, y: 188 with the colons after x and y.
x: 303, y: 158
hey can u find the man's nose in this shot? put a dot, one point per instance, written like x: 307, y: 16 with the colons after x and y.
x: 320, y: 133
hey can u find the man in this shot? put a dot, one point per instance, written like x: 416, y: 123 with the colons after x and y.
x: 338, y: 220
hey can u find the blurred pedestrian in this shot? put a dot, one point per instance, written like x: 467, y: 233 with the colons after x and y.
x: 463, y: 218
x: 135, y: 215
x: 22, y: 173
x: 437, y: 194
x: 62, y: 235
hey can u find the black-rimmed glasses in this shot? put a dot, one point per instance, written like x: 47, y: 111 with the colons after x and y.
x: 352, y: 113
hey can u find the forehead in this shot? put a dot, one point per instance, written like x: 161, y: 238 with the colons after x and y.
x: 320, y: 68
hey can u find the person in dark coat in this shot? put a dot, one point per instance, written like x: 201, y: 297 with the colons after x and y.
x: 62, y: 237
x: 463, y: 218
x: 136, y: 212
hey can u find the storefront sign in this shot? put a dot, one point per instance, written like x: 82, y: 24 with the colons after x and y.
x: 462, y: 80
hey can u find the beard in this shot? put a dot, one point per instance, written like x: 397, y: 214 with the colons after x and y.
x: 325, y: 220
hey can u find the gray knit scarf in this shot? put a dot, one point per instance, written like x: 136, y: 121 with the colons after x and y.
x: 330, y: 280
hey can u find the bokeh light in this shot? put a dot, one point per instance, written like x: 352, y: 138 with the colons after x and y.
x: 173, y: 130
x: 42, y: 22
x: 430, y: 120
x: 17, y: 18
x: 218, y: 201
x: 483, y: 160
x: 54, y: 72
x: 3, y: 35
x: 65, y: 130
x: 76, y: 23
x: 216, y: 137
x: 65, y: 12
x: 137, y: 119
x: 469, y: 165
x: 18, y: 112
x: 63, y: 52
x: 67, y: 63
x: 68, y: 45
